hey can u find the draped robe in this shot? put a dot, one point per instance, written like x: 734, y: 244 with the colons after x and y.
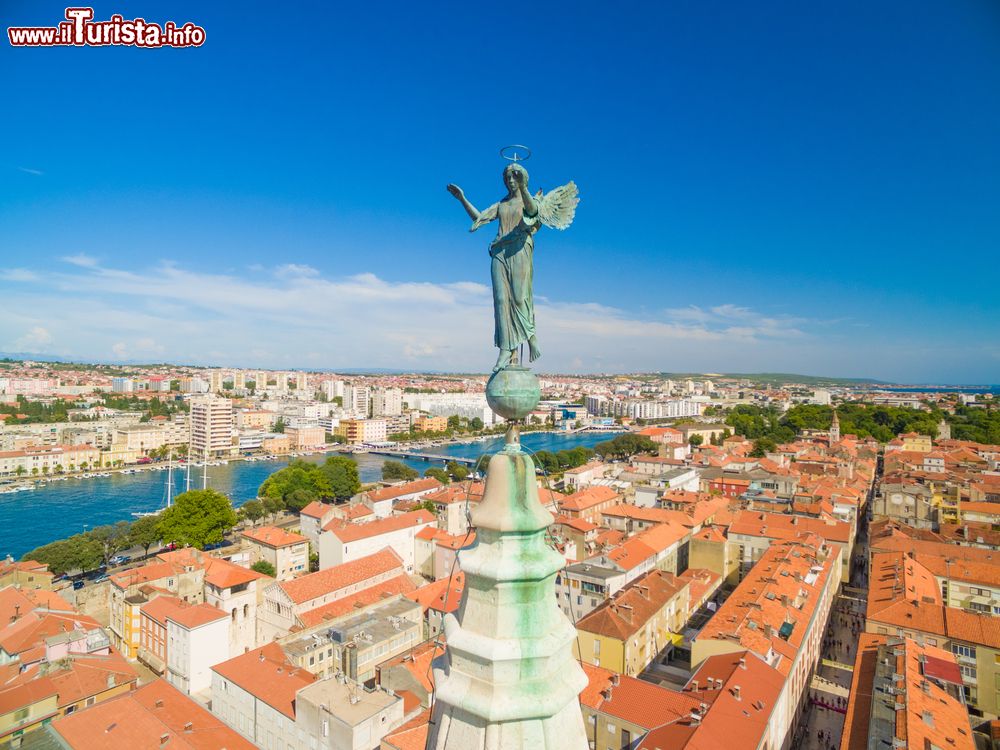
x: 511, y: 269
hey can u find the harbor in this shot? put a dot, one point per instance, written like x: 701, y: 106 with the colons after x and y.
x: 59, y: 506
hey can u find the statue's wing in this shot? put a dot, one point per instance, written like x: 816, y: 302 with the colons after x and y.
x: 558, y: 207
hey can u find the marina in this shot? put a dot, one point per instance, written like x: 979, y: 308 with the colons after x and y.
x: 56, y: 507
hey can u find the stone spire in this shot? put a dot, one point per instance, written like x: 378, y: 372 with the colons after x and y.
x: 508, y: 679
x: 835, y: 429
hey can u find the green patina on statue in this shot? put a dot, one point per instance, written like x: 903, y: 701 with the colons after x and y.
x: 508, y: 679
x: 519, y: 215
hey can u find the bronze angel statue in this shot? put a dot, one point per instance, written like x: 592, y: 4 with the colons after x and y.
x: 519, y: 214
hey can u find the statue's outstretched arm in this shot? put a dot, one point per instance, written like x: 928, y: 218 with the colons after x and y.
x: 471, y: 210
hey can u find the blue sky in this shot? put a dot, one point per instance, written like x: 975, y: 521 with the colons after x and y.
x: 779, y: 186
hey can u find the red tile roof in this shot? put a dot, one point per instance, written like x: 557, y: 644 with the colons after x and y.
x: 589, y: 497
x: 139, y: 720
x: 272, y: 536
x: 400, y: 584
x: 401, y: 490
x: 339, y: 577
x: 267, y: 674
x: 347, y: 532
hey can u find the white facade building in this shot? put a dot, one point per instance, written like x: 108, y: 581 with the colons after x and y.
x: 211, y: 427
x: 197, y: 639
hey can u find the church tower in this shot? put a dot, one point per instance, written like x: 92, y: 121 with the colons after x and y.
x: 508, y: 680
x: 835, y: 429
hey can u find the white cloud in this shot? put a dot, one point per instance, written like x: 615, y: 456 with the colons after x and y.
x: 18, y: 274
x: 35, y: 340
x: 29, y: 170
x: 80, y: 259
x: 294, y: 314
x: 295, y: 269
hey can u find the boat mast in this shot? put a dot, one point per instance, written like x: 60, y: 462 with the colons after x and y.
x: 204, y: 472
x: 170, y: 476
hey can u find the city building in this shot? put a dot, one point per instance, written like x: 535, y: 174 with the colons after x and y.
x: 638, y: 625
x: 286, y: 552
x: 333, y: 591
x: 153, y: 716
x: 343, y: 542
x: 211, y: 427
x: 902, y: 689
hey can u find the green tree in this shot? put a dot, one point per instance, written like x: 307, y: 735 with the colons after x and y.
x: 454, y: 422
x: 263, y: 566
x: 427, y: 505
x: 80, y: 552
x: 19, y: 471
x: 197, y: 518
x: 279, y: 425
x: 297, y: 485
x: 273, y: 506
x: 397, y: 471
x: 456, y: 471
x: 112, y: 538
x: 252, y: 510
x: 476, y: 424
x: 343, y: 475
x: 145, y: 532
x: 695, y: 440
x: 762, y: 446
x: 439, y: 474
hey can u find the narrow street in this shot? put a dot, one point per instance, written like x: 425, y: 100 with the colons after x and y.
x: 829, y: 690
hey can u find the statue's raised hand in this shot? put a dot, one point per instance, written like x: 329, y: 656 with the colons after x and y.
x: 456, y: 191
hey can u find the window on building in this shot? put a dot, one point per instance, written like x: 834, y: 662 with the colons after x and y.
x: 21, y: 714
x: 961, y: 649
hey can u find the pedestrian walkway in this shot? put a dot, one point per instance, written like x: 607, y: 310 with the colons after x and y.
x: 829, y: 690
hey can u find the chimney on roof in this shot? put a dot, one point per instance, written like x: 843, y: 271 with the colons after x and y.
x: 743, y: 663
x: 188, y: 726
x: 736, y: 692
x: 615, y: 678
x: 694, y: 684
x: 164, y: 739
x: 158, y: 703
x: 260, y: 656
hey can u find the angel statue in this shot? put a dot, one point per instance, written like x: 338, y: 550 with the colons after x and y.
x: 520, y: 215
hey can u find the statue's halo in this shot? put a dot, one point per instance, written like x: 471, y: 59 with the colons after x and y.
x: 515, y: 153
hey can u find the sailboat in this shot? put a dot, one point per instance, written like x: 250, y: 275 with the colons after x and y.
x: 170, y: 490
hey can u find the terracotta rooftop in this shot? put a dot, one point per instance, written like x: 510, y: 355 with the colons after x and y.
x: 632, y: 700
x: 784, y: 526
x: 632, y: 607
x: 400, y: 584
x: 407, y: 488
x: 316, y: 509
x: 772, y: 607
x: 272, y: 536
x: 315, y: 585
x: 267, y: 674
x: 902, y: 691
x: 587, y: 498
x: 347, y: 532
x: 443, y: 595
x: 737, y: 708
x: 140, y: 720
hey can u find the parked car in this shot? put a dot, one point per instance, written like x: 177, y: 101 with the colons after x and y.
x: 101, y: 578
x: 120, y: 559
x: 77, y: 585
